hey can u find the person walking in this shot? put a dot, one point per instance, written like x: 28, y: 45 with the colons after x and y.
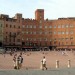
x: 44, y: 63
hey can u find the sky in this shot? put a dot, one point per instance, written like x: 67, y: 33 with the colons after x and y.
x: 53, y: 9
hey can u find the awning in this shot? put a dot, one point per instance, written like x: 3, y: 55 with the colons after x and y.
x: 62, y: 47
x: 12, y: 46
x: 71, y: 47
x: 29, y: 47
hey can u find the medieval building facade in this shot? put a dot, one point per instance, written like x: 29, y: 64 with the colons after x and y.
x: 38, y: 32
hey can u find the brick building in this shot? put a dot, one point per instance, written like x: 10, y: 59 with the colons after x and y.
x: 1, y: 31
x: 57, y: 33
x: 38, y: 32
x: 11, y: 30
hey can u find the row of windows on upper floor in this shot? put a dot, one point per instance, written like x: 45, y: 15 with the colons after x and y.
x: 11, y: 40
x: 34, y: 26
x: 12, y: 26
x: 51, y: 26
x: 13, y: 33
x: 46, y: 39
x: 40, y: 32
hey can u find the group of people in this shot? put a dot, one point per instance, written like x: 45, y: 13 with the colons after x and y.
x: 18, y: 60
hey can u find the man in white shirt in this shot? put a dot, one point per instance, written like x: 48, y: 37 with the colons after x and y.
x: 44, y: 63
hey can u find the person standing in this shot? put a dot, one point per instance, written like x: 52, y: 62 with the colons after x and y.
x: 20, y: 61
x: 44, y: 63
x: 14, y: 61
